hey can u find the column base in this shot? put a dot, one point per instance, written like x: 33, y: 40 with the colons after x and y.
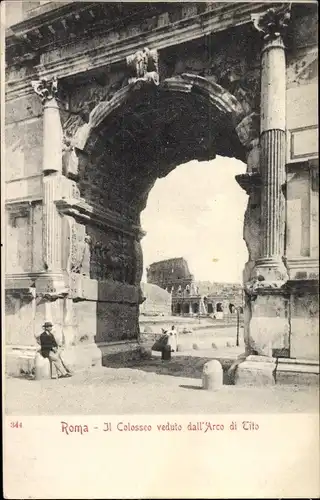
x: 256, y: 371
x: 270, y: 269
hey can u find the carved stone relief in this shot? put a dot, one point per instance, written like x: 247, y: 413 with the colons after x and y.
x: 81, y: 100
x: 302, y: 67
x: 95, y: 181
x: 273, y: 22
x: 233, y: 63
x: 78, y: 258
x: 19, y: 238
x: 75, y: 247
x: 102, y: 255
x: 144, y: 66
x: 45, y: 88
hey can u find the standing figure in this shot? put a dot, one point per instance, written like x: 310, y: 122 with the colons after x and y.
x: 50, y: 350
x: 173, y: 339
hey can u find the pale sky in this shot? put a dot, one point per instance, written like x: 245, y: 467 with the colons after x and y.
x: 197, y: 212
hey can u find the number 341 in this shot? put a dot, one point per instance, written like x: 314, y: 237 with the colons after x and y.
x: 15, y: 425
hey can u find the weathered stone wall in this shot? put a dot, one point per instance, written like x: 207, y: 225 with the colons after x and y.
x: 302, y: 189
x: 23, y: 177
x: 19, y: 321
x: 298, y: 213
x: 302, y: 139
x: 304, y: 322
x: 270, y: 322
x: 23, y: 118
x: 24, y: 238
x: 23, y: 192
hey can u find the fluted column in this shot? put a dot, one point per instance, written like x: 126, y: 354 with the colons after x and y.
x: 272, y: 200
x: 52, y: 174
x: 272, y: 24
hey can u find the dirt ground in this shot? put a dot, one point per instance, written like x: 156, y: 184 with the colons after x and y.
x: 152, y: 387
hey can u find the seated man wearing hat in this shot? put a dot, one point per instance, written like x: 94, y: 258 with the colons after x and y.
x: 50, y: 349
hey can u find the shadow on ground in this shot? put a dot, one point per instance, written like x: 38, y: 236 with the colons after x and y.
x: 182, y: 366
x: 196, y: 387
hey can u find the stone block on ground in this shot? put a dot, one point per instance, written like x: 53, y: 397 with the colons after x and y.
x: 212, y: 376
x: 20, y: 362
x: 42, y: 367
x: 256, y: 371
x: 297, y: 372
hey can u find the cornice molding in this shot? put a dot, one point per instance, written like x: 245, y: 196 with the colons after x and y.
x: 219, y: 18
x: 30, y: 285
x: 249, y: 182
x: 84, y: 211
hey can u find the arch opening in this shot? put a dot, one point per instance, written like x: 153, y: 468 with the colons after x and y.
x: 152, y: 131
x: 141, y: 135
x: 194, y: 217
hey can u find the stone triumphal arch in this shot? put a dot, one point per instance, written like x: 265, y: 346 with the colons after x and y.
x: 103, y: 99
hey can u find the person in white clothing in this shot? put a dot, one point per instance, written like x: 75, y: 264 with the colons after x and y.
x: 173, y: 339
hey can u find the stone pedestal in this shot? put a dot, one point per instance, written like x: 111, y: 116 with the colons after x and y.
x: 256, y: 371
x: 212, y: 376
x: 304, y: 321
x: 42, y: 367
x: 269, y: 324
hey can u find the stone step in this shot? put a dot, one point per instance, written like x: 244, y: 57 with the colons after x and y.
x: 262, y: 370
x: 297, y: 372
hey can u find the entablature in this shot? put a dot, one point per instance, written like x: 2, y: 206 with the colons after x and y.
x: 114, y: 41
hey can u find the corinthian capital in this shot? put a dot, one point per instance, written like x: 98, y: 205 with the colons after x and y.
x: 45, y: 88
x: 273, y: 22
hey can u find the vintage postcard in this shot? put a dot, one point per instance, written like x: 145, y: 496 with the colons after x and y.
x: 160, y: 259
